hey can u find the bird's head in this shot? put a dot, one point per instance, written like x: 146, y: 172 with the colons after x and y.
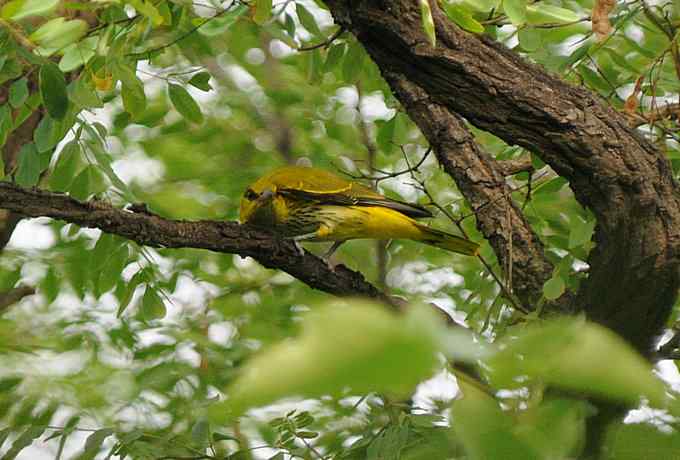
x: 257, y: 206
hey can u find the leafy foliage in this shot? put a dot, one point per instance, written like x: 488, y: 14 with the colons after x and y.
x: 128, y: 352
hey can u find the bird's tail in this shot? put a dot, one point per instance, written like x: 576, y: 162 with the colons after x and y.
x: 447, y: 241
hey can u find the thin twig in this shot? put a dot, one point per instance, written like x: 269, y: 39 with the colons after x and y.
x: 325, y: 43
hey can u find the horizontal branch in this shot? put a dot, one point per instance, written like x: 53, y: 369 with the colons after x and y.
x: 9, y: 298
x: 228, y: 237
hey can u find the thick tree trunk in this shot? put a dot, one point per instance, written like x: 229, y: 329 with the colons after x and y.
x: 622, y: 178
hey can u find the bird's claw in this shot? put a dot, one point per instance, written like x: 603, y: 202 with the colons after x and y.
x: 300, y: 249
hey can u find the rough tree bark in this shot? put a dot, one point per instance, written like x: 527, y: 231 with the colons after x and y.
x: 613, y: 171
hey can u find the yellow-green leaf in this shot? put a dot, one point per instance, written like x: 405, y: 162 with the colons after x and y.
x: 463, y: 18
x: 428, y: 22
x: 553, y: 288
x: 541, y: 13
x: 147, y: 9
x: 263, y: 11
x: 516, y: 10
x: 18, y: 9
x: 58, y: 33
x: 184, y: 103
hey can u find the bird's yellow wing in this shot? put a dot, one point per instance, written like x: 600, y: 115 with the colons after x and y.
x: 304, y: 183
x: 310, y: 180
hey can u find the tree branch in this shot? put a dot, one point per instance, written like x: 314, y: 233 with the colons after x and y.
x: 9, y: 298
x: 515, y: 165
x: 228, y: 237
x: 482, y: 183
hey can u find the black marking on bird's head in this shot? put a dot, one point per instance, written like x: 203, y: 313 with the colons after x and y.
x: 250, y: 194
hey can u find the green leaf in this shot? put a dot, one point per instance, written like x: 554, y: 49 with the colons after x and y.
x: 87, y: 183
x: 221, y: 24
x: 53, y: 90
x: 353, y: 62
x: 581, y: 356
x: 306, y: 434
x: 110, y: 273
x: 530, y: 38
x: 334, y: 56
x: 263, y: 11
x: 581, y: 231
x: 483, y: 6
x: 385, y: 135
x: 83, y: 94
x: 50, y: 285
x: 134, y: 99
x: 541, y: 13
x: 368, y: 344
x: 516, y: 10
x: 289, y: 25
x: 18, y: 92
x: 78, y: 54
x: 19, y: 9
x: 553, y: 288
x: 554, y: 427
x: 307, y: 20
x: 148, y: 9
x: 70, y: 159
x: 314, y: 73
x: 463, y: 18
x: 28, y: 170
x: 485, y: 431
x: 6, y: 123
x: 641, y: 440
x: 47, y: 135
x: 11, y: 69
x: 58, y: 33
x: 428, y: 22
x: 24, y: 440
x: 103, y: 160
x: 201, y: 80
x: 9, y: 383
x: 129, y: 290
x: 132, y: 88
x: 93, y: 444
x: 200, y: 434
x: 152, y: 305
x: 184, y: 103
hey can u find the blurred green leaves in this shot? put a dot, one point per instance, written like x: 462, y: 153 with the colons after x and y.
x: 20, y: 9
x: 356, y: 346
x: 578, y: 356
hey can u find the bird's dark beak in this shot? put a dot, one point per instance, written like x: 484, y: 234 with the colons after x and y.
x: 266, y: 195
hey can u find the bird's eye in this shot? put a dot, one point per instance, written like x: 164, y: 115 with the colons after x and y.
x: 251, y: 195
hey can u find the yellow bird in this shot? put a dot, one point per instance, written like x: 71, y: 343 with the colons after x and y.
x: 310, y: 204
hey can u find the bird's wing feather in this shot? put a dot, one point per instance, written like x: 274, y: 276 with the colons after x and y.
x: 343, y: 199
